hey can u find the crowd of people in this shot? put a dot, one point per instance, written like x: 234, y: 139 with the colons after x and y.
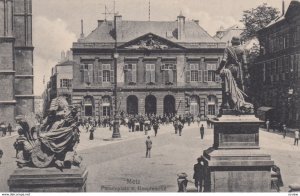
x: 141, y: 122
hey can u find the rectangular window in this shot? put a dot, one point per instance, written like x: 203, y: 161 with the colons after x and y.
x: 106, y: 76
x: 211, y: 110
x: 211, y: 68
x: 130, y: 73
x: 106, y: 110
x: 150, y: 73
x: 194, y: 72
x: 106, y: 73
x: 86, y: 73
x: 65, y: 83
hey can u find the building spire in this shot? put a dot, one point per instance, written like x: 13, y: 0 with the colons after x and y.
x: 149, y: 11
x: 82, y: 34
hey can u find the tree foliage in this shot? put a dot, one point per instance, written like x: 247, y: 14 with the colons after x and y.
x: 256, y: 19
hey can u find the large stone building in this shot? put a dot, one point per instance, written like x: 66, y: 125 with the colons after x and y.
x: 162, y: 68
x: 277, y: 70
x: 16, y: 59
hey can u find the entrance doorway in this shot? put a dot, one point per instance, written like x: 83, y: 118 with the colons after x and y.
x: 150, y: 104
x: 194, y: 105
x: 169, y: 105
x: 132, y: 105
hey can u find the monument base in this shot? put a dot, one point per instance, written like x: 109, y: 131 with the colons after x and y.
x: 48, y: 180
x: 237, y: 171
x: 235, y: 163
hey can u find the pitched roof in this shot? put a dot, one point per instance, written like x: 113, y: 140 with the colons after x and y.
x: 228, y: 33
x: 130, y: 30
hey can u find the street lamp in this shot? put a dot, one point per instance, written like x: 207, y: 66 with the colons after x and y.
x: 116, y: 131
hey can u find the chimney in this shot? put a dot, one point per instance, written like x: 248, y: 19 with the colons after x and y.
x: 180, y: 26
x: 82, y: 34
x: 196, y: 21
x: 118, y: 26
x: 283, y: 9
x: 100, y: 22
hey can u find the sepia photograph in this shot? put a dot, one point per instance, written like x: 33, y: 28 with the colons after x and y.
x: 156, y: 96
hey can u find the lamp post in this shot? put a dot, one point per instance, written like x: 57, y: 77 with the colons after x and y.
x: 116, y: 131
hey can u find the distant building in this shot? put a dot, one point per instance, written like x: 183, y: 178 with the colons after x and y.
x: 163, y: 67
x: 16, y: 59
x: 277, y: 70
x: 225, y: 35
x: 60, y: 83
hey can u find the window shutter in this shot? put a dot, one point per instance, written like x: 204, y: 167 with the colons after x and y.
x: 91, y: 73
x: 166, y: 75
x: 112, y: 74
x: 205, y: 75
x: 152, y: 73
x: 82, y: 73
x: 133, y: 73
x: 148, y: 76
x: 86, y: 75
x: 200, y: 76
x: 188, y: 73
x: 171, y: 76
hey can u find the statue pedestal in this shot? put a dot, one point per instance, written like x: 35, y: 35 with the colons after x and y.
x: 48, y: 180
x: 235, y: 163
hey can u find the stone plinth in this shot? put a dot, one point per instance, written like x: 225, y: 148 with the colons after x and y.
x: 235, y: 163
x: 48, y: 180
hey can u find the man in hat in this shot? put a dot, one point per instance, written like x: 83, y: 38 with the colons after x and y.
x: 233, y: 69
x: 199, y: 174
x: 148, y: 147
x: 1, y: 154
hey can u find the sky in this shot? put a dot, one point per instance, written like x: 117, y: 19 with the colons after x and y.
x: 56, y: 23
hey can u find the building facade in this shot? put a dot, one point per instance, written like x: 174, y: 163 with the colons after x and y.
x: 277, y: 69
x: 16, y: 59
x: 60, y: 83
x: 162, y: 68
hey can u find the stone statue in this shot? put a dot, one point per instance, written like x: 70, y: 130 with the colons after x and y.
x: 233, y: 70
x: 55, y: 141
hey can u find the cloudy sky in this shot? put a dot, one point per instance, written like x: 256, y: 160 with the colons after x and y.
x: 56, y: 23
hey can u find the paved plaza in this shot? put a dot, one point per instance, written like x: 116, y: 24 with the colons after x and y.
x: 121, y: 165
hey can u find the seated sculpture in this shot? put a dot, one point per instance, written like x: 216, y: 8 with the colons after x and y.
x: 233, y: 70
x: 56, y: 139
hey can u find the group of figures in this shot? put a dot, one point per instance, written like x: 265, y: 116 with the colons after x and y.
x: 55, y: 140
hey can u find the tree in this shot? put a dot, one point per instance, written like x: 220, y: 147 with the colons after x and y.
x: 256, y: 19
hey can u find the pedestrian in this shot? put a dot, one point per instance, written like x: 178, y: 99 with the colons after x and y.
x: 176, y: 126
x: 4, y: 129
x: 202, y: 131
x: 198, y: 120
x: 1, y: 154
x: 148, y: 147
x: 180, y: 127
x: 296, y: 137
x: 9, y: 128
x: 284, y: 129
x: 92, y: 133
x: 199, y: 174
x: 155, y: 127
x: 268, y: 125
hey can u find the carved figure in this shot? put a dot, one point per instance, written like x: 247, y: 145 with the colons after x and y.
x: 57, y: 137
x: 233, y: 70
